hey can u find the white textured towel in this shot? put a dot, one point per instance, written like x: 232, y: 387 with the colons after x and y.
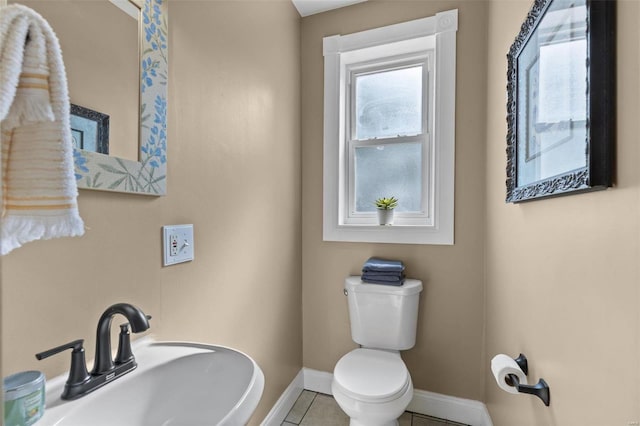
x: 39, y: 190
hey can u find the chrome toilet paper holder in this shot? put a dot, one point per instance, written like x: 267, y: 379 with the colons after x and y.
x: 540, y: 389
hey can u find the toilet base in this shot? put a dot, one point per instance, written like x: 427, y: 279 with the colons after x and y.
x: 353, y: 422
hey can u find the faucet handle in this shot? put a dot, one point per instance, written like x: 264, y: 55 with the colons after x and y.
x: 76, y: 345
x: 78, y: 372
x: 124, y: 353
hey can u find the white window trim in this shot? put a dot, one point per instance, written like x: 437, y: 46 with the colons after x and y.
x: 443, y: 26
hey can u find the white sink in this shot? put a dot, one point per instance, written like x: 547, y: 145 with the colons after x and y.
x: 176, y: 383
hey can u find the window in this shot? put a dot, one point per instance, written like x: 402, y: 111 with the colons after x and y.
x: 387, y: 137
x: 389, y: 131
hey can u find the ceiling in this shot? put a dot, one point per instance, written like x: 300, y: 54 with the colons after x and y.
x: 311, y: 7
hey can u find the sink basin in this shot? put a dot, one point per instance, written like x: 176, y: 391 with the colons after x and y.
x: 176, y: 383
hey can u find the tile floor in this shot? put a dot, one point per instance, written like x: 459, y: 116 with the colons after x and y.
x: 317, y: 409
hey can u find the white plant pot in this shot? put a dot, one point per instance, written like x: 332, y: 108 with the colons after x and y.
x: 385, y: 217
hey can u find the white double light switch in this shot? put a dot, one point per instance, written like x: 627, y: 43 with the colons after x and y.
x: 177, y: 243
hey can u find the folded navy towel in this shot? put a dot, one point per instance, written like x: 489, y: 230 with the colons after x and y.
x: 378, y: 277
x: 383, y: 280
x: 382, y: 265
x: 383, y: 273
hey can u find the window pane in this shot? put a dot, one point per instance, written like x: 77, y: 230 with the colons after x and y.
x: 389, y: 170
x: 389, y: 103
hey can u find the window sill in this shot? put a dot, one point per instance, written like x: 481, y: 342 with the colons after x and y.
x: 391, y: 234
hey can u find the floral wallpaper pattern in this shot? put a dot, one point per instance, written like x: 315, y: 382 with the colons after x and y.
x: 148, y: 175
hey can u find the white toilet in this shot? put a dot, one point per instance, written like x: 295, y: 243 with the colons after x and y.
x: 372, y: 384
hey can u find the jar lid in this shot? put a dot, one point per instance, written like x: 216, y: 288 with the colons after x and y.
x: 21, y: 384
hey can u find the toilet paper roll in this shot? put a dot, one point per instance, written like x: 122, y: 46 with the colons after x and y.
x: 501, y: 366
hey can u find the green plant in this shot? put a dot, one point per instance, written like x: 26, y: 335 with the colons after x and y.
x: 386, y: 203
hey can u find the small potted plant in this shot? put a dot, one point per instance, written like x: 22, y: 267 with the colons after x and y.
x: 385, y: 208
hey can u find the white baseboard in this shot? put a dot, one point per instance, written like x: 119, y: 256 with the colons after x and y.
x: 461, y: 410
x: 317, y: 381
x: 285, y: 403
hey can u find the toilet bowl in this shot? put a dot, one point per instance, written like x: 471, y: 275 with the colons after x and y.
x: 372, y: 386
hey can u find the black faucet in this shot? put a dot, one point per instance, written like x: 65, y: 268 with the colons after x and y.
x: 138, y: 321
x: 80, y: 381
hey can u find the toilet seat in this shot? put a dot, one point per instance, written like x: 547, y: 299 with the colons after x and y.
x: 372, y: 375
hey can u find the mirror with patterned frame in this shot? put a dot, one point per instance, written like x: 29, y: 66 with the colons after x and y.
x: 147, y: 175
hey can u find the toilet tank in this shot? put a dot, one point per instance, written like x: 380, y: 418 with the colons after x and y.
x: 383, y: 316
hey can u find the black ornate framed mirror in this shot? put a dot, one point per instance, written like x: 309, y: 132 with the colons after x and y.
x: 561, y: 100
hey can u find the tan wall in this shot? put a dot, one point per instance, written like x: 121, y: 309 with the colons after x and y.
x: 562, y: 274
x: 448, y: 356
x: 234, y: 172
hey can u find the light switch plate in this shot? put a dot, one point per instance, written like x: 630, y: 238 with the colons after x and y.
x: 177, y: 244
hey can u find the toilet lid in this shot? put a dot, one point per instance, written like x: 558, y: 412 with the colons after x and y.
x: 372, y: 375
